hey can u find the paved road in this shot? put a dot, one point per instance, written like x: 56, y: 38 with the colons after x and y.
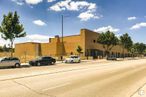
x: 88, y: 79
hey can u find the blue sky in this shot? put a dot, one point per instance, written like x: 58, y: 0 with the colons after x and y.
x: 42, y: 18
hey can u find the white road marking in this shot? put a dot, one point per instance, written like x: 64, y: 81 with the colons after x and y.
x: 58, y: 86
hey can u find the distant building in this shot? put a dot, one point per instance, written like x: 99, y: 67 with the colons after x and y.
x: 87, y: 40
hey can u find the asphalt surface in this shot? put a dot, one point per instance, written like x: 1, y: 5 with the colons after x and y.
x: 87, y: 79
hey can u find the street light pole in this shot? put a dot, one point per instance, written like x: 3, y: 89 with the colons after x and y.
x: 62, y: 38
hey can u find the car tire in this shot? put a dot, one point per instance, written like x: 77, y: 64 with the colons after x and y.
x: 17, y: 65
x: 79, y: 61
x: 38, y: 64
x: 52, y: 63
x: 71, y: 61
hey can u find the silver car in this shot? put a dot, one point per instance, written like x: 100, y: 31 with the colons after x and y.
x: 112, y: 57
x: 9, y: 62
x: 73, y: 59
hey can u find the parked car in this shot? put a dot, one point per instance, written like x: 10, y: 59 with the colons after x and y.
x: 46, y: 60
x: 10, y: 62
x: 112, y: 57
x: 73, y: 59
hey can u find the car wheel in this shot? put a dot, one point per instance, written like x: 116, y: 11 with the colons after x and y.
x: 79, y: 61
x: 52, y: 63
x: 38, y: 64
x: 17, y: 65
x: 65, y: 61
x: 72, y: 61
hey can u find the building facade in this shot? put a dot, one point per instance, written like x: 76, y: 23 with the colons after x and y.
x: 87, y: 40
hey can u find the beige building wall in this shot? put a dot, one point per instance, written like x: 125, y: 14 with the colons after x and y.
x: 71, y: 43
x: 48, y: 49
x: 26, y: 51
x: 91, y: 42
x: 5, y: 54
x: 86, y: 39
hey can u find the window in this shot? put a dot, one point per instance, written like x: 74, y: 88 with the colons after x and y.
x: 46, y: 58
x: 5, y: 59
x: 94, y: 41
x: 14, y: 59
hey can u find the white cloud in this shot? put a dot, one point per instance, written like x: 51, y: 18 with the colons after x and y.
x: 138, y: 25
x: 132, y: 18
x: 84, y: 16
x: 87, y: 9
x: 118, y: 35
x: 39, y: 22
x: 37, y: 38
x: 56, y: 8
x: 18, y: 2
x: 32, y: 2
x: 51, y: 0
x: 105, y: 29
x: 72, y: 5
x: 29, y: 38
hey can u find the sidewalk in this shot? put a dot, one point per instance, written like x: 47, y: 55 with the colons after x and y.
x: 141, y: 92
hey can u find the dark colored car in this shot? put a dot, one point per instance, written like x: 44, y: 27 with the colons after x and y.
x: 42, y: 61
x: 112, y: 57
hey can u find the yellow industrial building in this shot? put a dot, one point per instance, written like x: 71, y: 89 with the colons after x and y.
x: 87, y: 40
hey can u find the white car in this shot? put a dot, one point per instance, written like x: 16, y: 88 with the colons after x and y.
x: 9, y: 62
x: 73, y: 59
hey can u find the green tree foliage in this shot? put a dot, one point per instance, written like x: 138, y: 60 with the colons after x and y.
x: 140, y: 47
x: 133, y: 50
x: 108, y: 40
x: 5, y: 49
x: 11, y: 28
x: 79, y: 49
x: 126, y: 42
x: 1, y: 49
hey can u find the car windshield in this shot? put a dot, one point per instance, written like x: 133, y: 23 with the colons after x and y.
x: 46, y: 58
x: 73, y: 56
x: 13, y: 58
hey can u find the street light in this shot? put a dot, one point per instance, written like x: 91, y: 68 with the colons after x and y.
x: 62, y: 53
x: 62, y: 32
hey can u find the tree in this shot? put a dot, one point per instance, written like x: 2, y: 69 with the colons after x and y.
x: 79, y: 50
x: 126, y: 42
x: 145, y: 52
x: 108, y: 40
x: 1, y: 49
x: 140, y: 48
x: 11, y: 28
x: 133, y: 50
x: 5, y: 49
